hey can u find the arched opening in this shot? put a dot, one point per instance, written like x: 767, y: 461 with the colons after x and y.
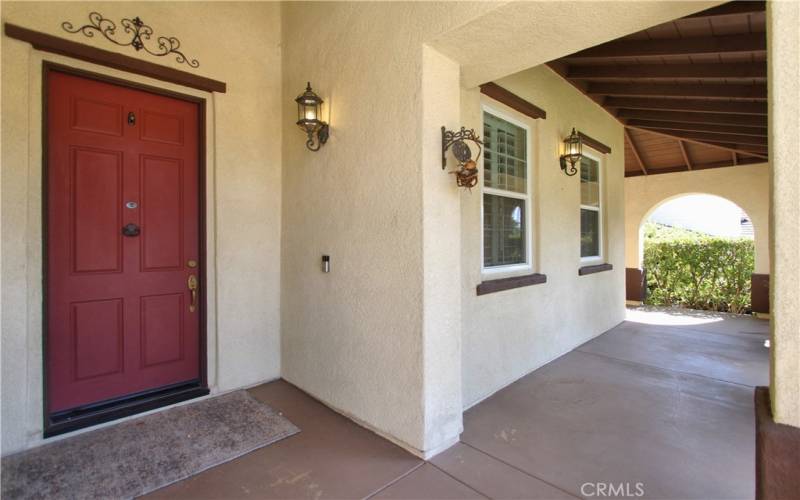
x: 697, y: 251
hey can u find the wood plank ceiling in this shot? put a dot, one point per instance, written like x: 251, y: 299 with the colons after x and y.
x: 692, y: 93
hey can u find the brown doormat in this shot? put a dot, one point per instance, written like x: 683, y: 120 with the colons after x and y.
x: 147, y: 453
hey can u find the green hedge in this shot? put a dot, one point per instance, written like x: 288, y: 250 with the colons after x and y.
x: 699, y: 272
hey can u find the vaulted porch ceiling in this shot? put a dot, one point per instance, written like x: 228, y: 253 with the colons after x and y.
x: 692, y: 93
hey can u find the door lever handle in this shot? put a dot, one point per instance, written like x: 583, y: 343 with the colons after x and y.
x: 192, y: 284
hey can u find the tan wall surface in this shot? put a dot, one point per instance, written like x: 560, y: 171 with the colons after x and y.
x: 783, y: 42
x: 371, y: 338
x: 745, y: 185
x: 355, y: 338
x: 508, y: 334
x: 365, y: 338
x: 244, y: 195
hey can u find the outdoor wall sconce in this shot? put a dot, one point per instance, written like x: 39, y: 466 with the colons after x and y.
x: 467, y: 171
x: 572, y: 153
x: 308, y: 112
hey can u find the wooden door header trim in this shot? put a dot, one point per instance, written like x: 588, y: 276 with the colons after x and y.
x: 56, y: 45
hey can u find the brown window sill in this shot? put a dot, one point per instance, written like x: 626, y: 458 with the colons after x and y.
x: 499, y: 285
x: 599, y: 268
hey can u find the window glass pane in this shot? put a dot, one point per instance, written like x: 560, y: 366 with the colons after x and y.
x: 590, y: 233
x: 503, y: 231
x: 505, y: 157
x: 590, y: 182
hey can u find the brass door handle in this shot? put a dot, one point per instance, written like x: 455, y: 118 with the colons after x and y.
x: 192, y: 284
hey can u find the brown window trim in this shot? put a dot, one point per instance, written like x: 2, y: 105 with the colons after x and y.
x: 594, y: 143
x: 512, y: 100
x: 56, y: 45
x: 498, y: 285
x: 599, y: 268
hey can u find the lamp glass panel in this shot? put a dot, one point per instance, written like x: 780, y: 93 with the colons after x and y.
x: 574, y: 147
x: 311, y: 109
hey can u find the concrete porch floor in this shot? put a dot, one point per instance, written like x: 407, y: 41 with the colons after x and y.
x: 665, y: 399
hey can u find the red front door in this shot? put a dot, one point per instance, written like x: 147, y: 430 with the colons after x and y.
x: 122, y: 242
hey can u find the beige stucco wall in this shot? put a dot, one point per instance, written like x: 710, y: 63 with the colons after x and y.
x: 379, y: 338
x: 783, y: 42
x: 376, y: 338
x: 508, y: 334
x: 745, y: 185
x: 244, y: 196
x: 355, y: 338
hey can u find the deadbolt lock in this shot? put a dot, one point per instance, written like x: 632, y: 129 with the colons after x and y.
x: 130, y: 230
x: 191, y: 263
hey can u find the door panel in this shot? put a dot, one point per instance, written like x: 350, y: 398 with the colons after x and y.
x: 118, y: 307
x: 162, y: 127
x: 97, y: 334
x: 162, y: 213
x: 96, y: 203
x: 161, y: 319
x: 95, y: 116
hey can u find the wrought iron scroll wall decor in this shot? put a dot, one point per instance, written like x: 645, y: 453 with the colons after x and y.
x: 467, y: 168
x: 140, y: 35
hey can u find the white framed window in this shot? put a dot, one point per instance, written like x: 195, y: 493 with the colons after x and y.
x: 591, y: 208
x: 505, y: 194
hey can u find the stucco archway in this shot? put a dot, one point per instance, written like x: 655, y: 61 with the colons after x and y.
x: 661, y: 203
x: 746, y: 186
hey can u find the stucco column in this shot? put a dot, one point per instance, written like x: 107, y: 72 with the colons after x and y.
x: 441, y: 251
x: 783, y: 43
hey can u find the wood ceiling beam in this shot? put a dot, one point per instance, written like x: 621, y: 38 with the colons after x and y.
x: 713, y: 91
x: 742, y: 149
x: 701, y: 127
x: 690, y: 105
x: 700, y: 166
x: 730, y: 8
x: 685, y: 155
x: 685, y: 117
x: 669, y: 71
x: 717, y: 138
x: 635, y: 151
x: 721, y: 44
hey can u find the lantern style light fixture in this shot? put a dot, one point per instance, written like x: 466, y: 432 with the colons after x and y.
x: 309, y: 106
x: 572, y: 153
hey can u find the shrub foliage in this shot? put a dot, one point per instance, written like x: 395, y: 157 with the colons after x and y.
x: 697, y: 271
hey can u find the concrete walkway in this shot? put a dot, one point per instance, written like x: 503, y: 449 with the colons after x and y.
x: 658, y: 407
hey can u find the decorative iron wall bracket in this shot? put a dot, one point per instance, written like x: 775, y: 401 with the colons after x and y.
x: 460, y: 149
x: 467, y: 171
x: 140, y: 35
